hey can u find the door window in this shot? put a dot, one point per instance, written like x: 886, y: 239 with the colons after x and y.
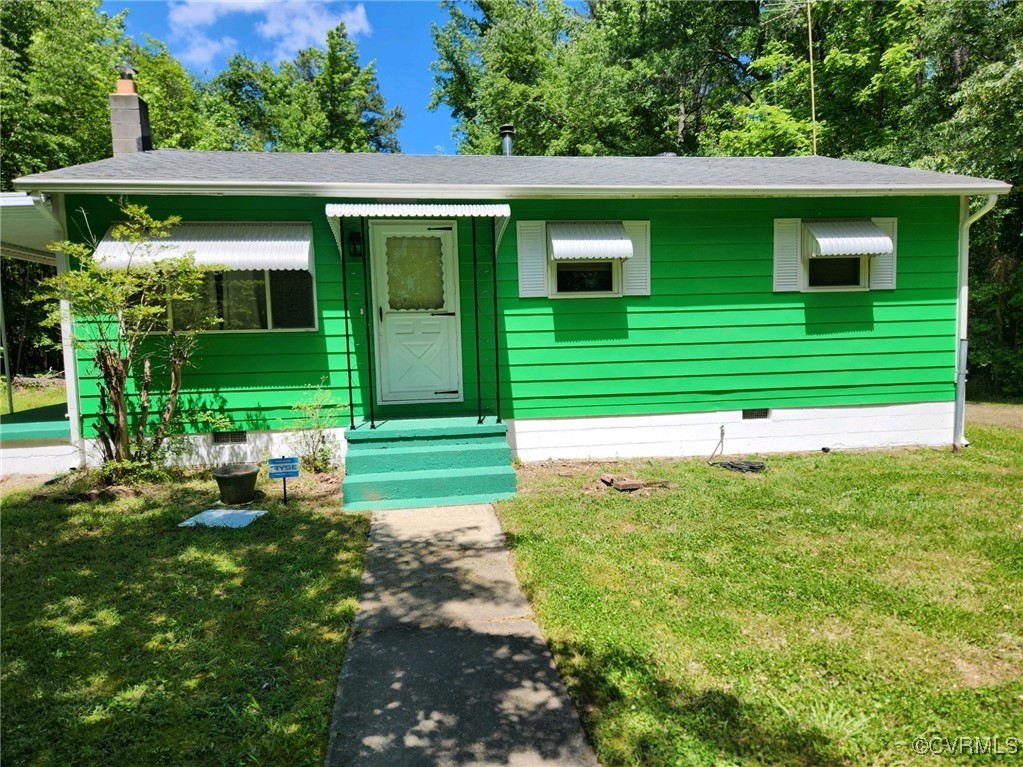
x: 415, y: 273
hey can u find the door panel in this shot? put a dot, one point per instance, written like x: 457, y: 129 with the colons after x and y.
x: 416, y: 293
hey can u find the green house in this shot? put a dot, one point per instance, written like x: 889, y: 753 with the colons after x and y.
x: 467, y: 309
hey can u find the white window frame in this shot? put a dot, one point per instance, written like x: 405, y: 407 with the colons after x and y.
x: 804, y: 268
x: 616, y: 278
x: 269, y: 311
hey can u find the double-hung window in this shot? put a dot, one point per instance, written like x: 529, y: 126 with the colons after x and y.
x: 265, y: 279
x: 249, y: 299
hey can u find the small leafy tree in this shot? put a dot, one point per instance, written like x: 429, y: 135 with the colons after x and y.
x: 312, y: 439
x: 120, y: 318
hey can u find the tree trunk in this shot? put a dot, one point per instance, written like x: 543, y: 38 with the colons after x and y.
x: 115, y: 379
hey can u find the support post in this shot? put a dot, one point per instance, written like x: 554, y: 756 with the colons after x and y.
x: 369, y: 321
x: 497, y: 326
x: 7, y: 356
x: 476, y: 320
x: 349, y: 324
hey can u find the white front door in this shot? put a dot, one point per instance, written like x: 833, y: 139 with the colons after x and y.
x: 415, y: 278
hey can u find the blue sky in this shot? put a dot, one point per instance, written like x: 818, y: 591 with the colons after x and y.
x: 204, y: 33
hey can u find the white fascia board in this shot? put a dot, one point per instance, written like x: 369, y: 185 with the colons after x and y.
x: 406, y: 192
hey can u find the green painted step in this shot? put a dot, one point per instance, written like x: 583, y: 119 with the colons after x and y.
x: 419, y: 503
x: 417, y: 455
x: 425, y: 428
x: 429, y: 487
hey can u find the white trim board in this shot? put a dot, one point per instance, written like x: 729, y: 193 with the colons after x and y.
x: 198, y: 450
x: 676, y: 435
x: 697, y: 434
x: 39, y: 459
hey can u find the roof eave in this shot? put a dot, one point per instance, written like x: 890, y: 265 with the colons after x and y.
x: 494, y: 191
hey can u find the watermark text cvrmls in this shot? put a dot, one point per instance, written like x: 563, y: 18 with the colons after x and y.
x: 970, y: 745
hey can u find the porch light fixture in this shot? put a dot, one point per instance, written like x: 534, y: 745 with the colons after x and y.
x: 355, y: 245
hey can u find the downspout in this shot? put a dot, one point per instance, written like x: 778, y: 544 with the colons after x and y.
x: 46, y: 206
x: 966, y: 221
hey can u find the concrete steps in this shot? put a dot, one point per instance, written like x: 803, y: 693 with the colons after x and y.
x: 427, y: 462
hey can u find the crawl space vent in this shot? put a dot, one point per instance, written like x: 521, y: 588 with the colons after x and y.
x: 230, y: 438
x: 756, y: 414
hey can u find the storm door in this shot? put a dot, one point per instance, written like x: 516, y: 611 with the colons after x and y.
x: 415, y: 279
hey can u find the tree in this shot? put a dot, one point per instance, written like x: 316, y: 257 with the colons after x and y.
x: 322, y: 99
x: 57, y: 66
x: 632, y: 77
x: 120, y: 321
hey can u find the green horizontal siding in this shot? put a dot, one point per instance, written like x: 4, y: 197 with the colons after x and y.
x: 713, y: 335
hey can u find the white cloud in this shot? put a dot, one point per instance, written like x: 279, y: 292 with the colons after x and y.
x: 288, y: 25
x: 201, y: 50
x: 356, y: 22
x: 187, y: 15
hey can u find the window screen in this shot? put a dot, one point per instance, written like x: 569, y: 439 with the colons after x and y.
x: 291, y: 297
x: 585, y: 277
x: 834, y: 272
x: 243, y: 300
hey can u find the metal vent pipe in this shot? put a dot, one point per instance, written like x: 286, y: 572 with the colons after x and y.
x: 507, y: 132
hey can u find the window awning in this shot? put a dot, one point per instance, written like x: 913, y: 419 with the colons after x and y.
x: 847, y: 237
x: 570, y: 240
x: 337, y: 211
x: 410, y: 210
x: 234, y: 246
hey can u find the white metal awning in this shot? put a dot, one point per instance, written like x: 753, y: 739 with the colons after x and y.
x: 232, y: 245
x: 847, y: 237
x: 410, y: 210
x: 570, y: 240
x: 337, y: 211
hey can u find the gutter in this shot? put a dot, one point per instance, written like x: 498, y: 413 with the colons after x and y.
x: 406, y: 192
x: 965, y: 222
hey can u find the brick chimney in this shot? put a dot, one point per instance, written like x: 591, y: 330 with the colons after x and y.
x: 129, y: 116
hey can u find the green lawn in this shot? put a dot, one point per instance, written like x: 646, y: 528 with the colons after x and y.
x: 129, y: 641
x: 46, y: 392
x: 825, y: 613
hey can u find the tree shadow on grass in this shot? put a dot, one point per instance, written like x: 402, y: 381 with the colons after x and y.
x: 695, y: 726
x: 128, y: 640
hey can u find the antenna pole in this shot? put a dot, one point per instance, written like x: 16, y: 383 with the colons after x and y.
x: 813, y: 100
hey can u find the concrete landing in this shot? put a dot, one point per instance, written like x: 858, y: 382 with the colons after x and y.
x: 446, y: 665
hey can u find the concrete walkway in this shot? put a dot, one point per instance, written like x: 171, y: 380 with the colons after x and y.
x: 446, y: 665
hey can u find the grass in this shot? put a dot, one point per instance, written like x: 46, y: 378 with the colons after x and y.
x: 47, y: 391
x: 827, y: 612
x: 127, y: 640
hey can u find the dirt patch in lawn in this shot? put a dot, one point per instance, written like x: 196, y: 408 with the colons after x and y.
x: 988, y: 414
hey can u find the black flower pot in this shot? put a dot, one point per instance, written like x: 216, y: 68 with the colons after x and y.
x: 237, y: 482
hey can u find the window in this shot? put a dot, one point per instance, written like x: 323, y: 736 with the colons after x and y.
x: 584, y: 277
x: 812, y: 255
x: 251, y: 299
x: 580, y: 259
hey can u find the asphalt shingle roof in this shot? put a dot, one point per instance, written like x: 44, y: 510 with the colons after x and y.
x: 336, y: 174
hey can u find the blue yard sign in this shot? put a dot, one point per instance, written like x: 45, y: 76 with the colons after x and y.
x: 282, y: 468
